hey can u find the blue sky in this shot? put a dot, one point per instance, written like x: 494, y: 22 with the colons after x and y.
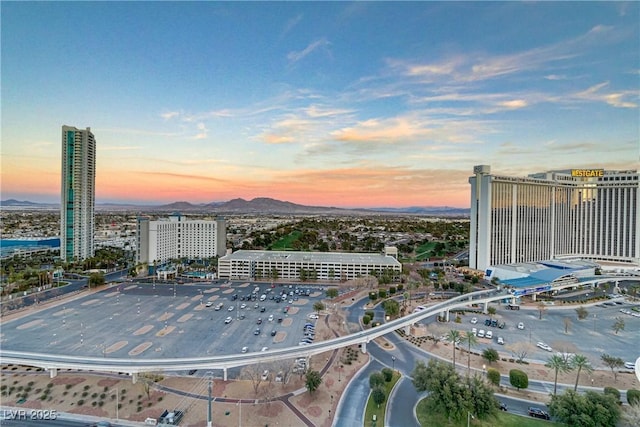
x: 341, y: 104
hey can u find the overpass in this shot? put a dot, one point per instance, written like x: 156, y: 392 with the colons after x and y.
x: 53, y: 363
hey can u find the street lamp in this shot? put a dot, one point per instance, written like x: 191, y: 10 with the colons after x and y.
x: 393, y: 361
x: 484, y: 370
x: 594, y: 322
x: 469, y: 418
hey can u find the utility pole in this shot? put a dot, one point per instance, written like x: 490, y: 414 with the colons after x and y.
x: 209, y: 423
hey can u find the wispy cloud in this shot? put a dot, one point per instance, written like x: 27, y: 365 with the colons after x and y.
x: 617, y: 99
x: 169, y: 115
x: 295, y: 56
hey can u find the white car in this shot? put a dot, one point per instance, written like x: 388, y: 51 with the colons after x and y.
x: 230, y: 308
x: 520, y: 325
x: 245, y: 349
x: 543, y: 346
x: 271, y: 318
x: 228, y: 320
x: 209, y: 304
x: 474, y: 320
x: 630, y: 365
x: 313, y: 316
x: 481, y: 333
x: 474, y: 331
x: 489, y: 335
x: 243, y: 306
x: 500, y: 340
x: 264, y: 349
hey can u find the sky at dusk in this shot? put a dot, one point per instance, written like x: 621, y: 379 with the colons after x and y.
x: 327, y: 104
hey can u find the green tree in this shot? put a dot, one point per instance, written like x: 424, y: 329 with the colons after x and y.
x: 96, y: 279
x: 470, y: 340
x: 452, y: 395
x: 618, y: 325
x: 454, y: 338
x: 332, y: 292
x: 612, y: 363
x: 518, y: 379
x: 366, y: 319
x: 387, y: 374
x: 590, y: 409
x: 318, y: 306
x: 580, y: 362
x: 493, y: 375
x: 391, y: 307
x: 378, y: 395
x: 490, y: 355
x: 491, y: 311
x: 582, y: 313
x: 613, y: 392
x: 376, y: 379
x: 313, y: 379
x: 558, y: 364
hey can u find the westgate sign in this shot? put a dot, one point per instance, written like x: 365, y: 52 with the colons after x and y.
x: 587, y: 173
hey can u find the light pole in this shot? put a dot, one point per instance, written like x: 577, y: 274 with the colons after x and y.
x: 210, y: 390
x: 594, y: 322
x: 393, y: 363
x: 469, y: 418
x: 484, y: 370
x: 240, y: 418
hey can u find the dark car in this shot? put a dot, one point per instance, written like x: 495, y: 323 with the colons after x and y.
x: 503, y: 406
x: 538, y: 413
x: 487, y: 322
x: 259, y: 321
x: 257, y: 331
x: 494, y: 323
x: 279, y: 319
x: 273, y: 333
x: 192, y: 371
x: 263, y: 309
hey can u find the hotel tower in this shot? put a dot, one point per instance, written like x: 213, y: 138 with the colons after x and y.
x: 77, y: 197
x: 590, y: 214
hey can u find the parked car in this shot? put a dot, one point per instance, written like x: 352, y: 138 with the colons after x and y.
x: 228, y: 320
x: 481, y: 333
x: 629, y: 365
x: 245, y: 349
x: 259, y: 321
x: 209, y: 304
x: 230, y: 308
x: 520, y: 325
x: 273, y: 333
x: 538, y: 413
x: 474, y: 320
x: 487, y: 322
x: 500, y: 340
x: 489, y: 335
x: 313, y: 316
x: 257, y: 331
x: 243, y: 306
x: 503, y: 406
x: 474, y: 331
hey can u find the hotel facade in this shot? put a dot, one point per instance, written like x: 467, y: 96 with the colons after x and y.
x: 590, y: 214
x: 77, y: 195
x: 326, y: 266
x: 177, y: 237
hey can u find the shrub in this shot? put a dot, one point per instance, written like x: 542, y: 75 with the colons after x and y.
x: 493, y: 375
x: 633, y: 396
x: 87, y: 387
x: 613, y: 392
x: 68, y: 386
x: 370, y: 313
x: 518, y: 379
x: 382, y: 293
x: 366, y: 319
x: 80, y: 402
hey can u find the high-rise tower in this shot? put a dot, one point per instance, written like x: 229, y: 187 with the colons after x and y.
x: 77, y: 197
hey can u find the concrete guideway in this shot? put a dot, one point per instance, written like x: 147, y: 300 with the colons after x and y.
x: 134, y: 366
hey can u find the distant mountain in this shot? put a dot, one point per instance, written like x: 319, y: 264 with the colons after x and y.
x: 427, y: 210
x: 268, y: 205
x: 258, y: 205
x: 25, y: 204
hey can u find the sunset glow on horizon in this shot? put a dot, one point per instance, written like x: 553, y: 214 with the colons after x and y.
x: 366, y: 104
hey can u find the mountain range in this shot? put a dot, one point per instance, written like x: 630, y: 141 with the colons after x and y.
x: 257, y: 205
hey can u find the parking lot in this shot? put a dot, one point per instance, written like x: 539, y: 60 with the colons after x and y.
x: 135, y: 320
x: 592, y: 336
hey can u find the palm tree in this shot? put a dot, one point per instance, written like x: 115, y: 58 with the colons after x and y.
x: 558, y: 364
x: 580, y: 362
x: 454, y: 337
x: 471, y: 340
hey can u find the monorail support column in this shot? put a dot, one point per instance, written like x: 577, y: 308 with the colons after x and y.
x: 53, y: 372
x: 224, y: 374
x: 363, y: 347
x: 534, y: 297
x: 485, y: 307
x: 134, y: 377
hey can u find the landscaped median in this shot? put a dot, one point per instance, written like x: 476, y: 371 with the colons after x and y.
x: 428, y: 417
x: 376, y: 406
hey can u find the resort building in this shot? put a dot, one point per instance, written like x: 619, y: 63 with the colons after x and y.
x: 77, y: 195
x: 289, y: 265
x: 177, y: 237
x: 590, y: 214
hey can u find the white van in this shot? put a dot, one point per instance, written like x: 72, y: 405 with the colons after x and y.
x: 263, y: 297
